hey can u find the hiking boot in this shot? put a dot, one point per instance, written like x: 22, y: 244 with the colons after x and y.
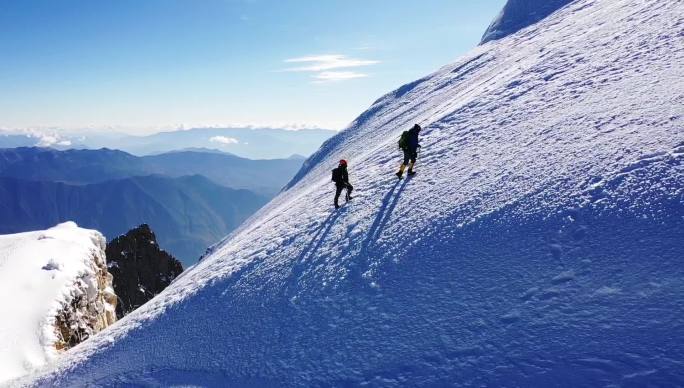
x: 411, y: 173
x: 337, y: 206
x: 398, y: 174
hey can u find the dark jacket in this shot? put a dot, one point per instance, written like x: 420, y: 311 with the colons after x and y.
x: 340, y: 176
x: 412, y: 140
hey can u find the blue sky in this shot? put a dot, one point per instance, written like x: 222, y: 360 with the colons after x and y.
x: 140, y: 66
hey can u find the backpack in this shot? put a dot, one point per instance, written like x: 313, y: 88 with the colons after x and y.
x: 336, y: 175
x: 403, y: 140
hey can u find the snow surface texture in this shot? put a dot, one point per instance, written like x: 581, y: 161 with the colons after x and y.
x: 540, y: 244
x: 41, y: 273
x: 518, y: 14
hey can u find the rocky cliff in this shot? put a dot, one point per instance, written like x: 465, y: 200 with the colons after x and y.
x: 91, y: 304
x: 140, y: 267
x: 55, y: 292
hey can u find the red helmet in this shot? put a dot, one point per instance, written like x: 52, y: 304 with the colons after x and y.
x: 343, y: 162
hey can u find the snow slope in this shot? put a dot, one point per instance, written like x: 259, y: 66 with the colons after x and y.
x: 540, y: 244
x: 40, y: 273
x: 518, y: 14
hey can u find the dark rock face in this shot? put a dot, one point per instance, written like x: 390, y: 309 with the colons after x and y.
x: 140, y: 268
x: 518, y: 14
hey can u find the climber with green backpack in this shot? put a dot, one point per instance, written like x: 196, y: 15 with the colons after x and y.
x: 408, y: 142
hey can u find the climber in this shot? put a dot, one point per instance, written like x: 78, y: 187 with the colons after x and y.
x: 409, y: 144
x: 341, y: 179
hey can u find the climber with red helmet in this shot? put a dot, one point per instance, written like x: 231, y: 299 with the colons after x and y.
x: 341, y: 179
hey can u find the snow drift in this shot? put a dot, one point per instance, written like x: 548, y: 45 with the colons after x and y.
x: 540, y: 244
x: 55, y: 292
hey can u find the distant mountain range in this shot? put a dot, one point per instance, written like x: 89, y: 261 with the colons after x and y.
x: 188, y: 213
x: 190, y: 198
x: 265, y: 177
x: 253, y: 143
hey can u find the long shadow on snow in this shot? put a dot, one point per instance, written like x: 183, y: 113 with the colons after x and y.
x: 309, y: 249
x: 368, y: 247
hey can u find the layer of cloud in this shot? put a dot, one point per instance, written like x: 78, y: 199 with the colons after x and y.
x: 41, y: 138
x: 223, y: 140
x: 338, y: 75
x: 52, y: 141
x: 328, y: 62
x: 328, y: 68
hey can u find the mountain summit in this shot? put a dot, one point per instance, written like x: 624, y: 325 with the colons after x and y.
x: 518, y: 14
x: 540, y: 243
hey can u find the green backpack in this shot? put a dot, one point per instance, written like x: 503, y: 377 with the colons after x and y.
x: 403, y: 140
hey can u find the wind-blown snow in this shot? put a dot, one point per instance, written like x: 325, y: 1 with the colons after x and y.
x: 540, y: 244
x: 38, y: 272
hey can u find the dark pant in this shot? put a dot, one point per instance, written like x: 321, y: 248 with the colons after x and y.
x: 410, y: 156
x: 338, y: 190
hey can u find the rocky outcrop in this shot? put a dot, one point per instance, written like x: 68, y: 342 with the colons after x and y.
x: 518, y: 14
x: 141, y: 269
x: 55, y: 292
x: 91, y: 304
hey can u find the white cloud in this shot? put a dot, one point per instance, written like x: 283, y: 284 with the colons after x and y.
x: 51, y: 140
x: 43, y: 137
x: 323, y: 65
x: 328, y: 62
x: 224, y: 140
x: 338, y: 75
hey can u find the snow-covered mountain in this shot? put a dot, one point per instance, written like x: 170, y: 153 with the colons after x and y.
x: 518, y: 14
x: 55, y: 291
x: 540, y: 244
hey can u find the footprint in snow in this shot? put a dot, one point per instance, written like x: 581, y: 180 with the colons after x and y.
x: 564, y: 277
x: 52, y: 265
x: 511, y: 317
